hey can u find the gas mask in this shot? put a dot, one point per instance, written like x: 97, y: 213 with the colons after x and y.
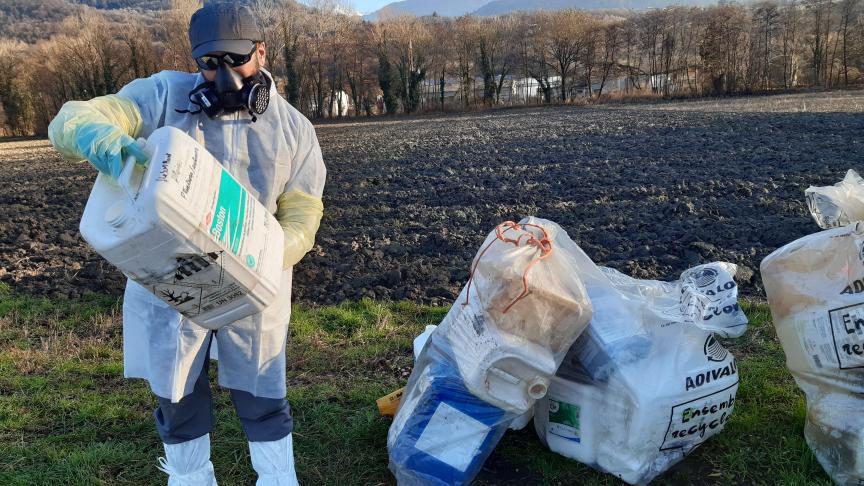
x: 230, y: 93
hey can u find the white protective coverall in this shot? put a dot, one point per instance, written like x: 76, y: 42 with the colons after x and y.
x: 276, y: 158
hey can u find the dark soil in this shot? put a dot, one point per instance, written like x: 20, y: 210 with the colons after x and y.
x: 649, y: 190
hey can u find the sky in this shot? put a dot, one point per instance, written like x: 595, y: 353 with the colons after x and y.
x: 362, y: 6
x: 368, y: 6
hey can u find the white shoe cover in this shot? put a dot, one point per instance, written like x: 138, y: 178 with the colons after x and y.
x: 188, y: 463
x: 274, y: 462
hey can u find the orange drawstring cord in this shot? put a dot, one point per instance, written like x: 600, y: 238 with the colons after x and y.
x: 542, y: 244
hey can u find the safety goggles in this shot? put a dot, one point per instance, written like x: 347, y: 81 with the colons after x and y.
x: 209, y: 62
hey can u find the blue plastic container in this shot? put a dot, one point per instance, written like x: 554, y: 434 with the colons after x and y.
x: 449, y: 433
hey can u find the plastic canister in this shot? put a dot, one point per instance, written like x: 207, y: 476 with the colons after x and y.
x: 189, y: 232
x: 498, y: 367
x: 511, y: 376
x: 633, y: 426
x: 443, y: 434
x: 565, y: 419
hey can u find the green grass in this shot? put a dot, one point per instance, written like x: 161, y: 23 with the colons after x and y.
x: 68, y: 417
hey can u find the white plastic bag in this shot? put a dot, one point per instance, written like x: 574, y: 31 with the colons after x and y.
x: 815, y: 288
x: 647, y: 382
x: 837, y: 205
x: 492, y: 356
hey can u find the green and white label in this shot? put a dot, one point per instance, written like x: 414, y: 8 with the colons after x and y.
x: 237, y: 222
x: 564, y: 420
x: 229, y: 214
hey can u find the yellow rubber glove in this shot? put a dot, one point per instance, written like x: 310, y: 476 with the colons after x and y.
x: 299, y: 214
x: 101, y: 130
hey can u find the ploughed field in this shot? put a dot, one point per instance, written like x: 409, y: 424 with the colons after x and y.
x: 648, y: 189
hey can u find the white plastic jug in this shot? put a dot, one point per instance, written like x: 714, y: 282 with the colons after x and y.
x: 643, y: 418
x: 185, y: 229
x: 507, y: 371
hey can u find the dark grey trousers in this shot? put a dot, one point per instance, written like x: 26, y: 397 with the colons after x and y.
x: 263, y: 419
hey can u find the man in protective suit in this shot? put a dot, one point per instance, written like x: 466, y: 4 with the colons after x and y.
x: 232, y: 108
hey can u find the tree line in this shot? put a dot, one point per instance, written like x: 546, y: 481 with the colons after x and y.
x: 331, y: 64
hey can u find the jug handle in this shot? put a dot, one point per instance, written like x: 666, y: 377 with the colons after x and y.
x: 125, y: 179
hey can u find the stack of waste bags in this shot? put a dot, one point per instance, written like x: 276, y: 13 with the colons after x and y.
x: 639, y: 388
x: 492, y: 356
x: 815, y: 288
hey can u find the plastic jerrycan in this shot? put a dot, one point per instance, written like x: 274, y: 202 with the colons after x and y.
x: 189, y: 232
x: 442, y: 433
x: 500, y: 368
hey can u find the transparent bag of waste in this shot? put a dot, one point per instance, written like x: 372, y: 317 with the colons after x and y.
x: 815, y: 288
x: 837, y: 205
x: 647, y: 382
x: 492, y: 356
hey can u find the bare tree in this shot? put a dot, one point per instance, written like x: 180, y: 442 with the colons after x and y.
x: 267, y: 15
x: 360, y: 67
x: 317, y: 30
x: 496, y: 55
x: 566, y: 40
x: 142, y: 54
x: 442, y: 54
x: 291, y: 20
x: 848, y: 12
x: 820, y: 26
x: 539, y: 61
x: 723, y: 46
x: 410, y: 49
x: 174, y: 28
x: 466, y: 30
x: 632, y: 55
x: 612, y: 35
x: 16, y: 106
x: 766, y: 23
x: 790, y: 20
x: 592, y: 38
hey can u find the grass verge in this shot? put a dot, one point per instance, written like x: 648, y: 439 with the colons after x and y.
x: 68, y: 417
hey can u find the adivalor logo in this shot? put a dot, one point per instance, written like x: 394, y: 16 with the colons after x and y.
x: 714, y: 351
x: 855, y: 287
x: 706, y: 377
x: 704, y: 277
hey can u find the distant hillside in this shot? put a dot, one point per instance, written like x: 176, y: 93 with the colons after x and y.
x: 448, y: 8
x: 118, y: 4
x: 455, y: 8
x: 500, y: 7
x: 30, y: 21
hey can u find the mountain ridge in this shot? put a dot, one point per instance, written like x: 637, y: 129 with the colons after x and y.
x: 454, y: 8
x: 447, y: 8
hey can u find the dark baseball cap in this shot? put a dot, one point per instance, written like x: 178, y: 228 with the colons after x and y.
x: 223, y: 27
